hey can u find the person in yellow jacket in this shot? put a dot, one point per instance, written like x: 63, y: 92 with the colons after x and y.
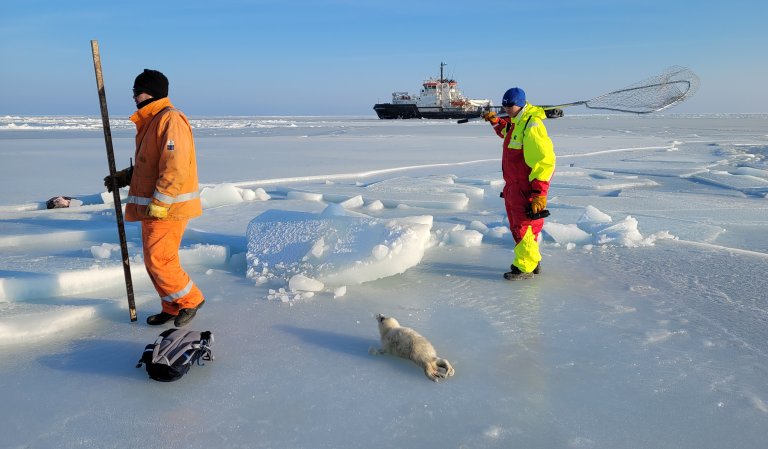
x: 163, y: 195
x: 527, y: 164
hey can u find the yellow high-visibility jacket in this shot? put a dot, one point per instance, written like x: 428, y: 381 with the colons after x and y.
x: 528, y: 161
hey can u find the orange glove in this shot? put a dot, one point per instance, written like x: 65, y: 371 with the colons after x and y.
x: 157, y: 211
x: 538, y: 204
x: 490, y: 116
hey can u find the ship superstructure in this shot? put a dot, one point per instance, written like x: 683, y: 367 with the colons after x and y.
x: 439, y: 98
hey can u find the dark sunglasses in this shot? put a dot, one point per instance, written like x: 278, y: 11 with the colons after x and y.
x: 137, y: 92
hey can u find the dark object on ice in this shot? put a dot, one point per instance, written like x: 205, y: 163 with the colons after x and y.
x: 58, y: 202
x: 553, y: 113
x: 174, y: 352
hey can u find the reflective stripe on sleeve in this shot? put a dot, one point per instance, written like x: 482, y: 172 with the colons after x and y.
x: 142, y: 201
x: 178, y: 199
x: 138, y: 200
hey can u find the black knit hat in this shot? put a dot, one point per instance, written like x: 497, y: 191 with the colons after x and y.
x: 152, y: 82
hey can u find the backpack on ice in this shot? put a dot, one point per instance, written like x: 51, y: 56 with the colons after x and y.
x: 174, y: 352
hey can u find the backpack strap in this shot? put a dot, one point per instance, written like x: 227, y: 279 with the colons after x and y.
x: 175, y: 345
x: 148, y: 355
x: 206, y: 340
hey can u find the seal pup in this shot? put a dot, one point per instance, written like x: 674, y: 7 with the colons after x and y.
x: 407, y: 343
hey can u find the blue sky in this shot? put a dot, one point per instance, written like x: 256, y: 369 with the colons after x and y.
x: 278, y: 57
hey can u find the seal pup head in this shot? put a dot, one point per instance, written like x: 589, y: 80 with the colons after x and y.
x: 386, y: 323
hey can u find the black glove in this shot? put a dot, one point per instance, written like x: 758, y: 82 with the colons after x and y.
x: 123, y: 178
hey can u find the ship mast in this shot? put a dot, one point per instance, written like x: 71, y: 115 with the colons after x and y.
x: 442, y: 80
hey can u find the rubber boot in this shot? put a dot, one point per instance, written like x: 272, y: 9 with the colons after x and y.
x: 160, y: 318
x: 517, y: 275
x: 186, y: 315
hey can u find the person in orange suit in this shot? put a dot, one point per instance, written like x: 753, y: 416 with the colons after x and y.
x: 163, y: 195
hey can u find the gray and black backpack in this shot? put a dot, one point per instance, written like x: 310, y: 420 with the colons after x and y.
x: 174, y: 352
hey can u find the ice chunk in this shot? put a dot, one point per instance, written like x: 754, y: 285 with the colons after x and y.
x: 566, y: 233
x: 331, y: 248
x: 220, y: 195
x: 592, y: 220
x: 299, y: 282
x: 466, y: 238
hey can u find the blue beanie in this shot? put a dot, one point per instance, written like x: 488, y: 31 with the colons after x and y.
x: 514, y: 96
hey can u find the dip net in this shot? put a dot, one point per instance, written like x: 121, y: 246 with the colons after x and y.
x: 659, y: 92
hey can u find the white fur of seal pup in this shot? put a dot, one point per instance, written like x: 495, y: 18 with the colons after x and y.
x: 409, y: 344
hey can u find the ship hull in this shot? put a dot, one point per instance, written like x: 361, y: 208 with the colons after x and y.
x: 395, y: 111
x: 406, y: 111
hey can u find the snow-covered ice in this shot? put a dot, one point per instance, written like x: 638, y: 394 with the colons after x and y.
x: 334, y: 247
x: 648, y: 326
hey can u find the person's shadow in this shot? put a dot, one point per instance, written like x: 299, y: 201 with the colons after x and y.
x: 99, y: 357
x: 347, y: 344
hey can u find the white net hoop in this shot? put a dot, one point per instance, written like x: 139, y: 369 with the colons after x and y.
x: 662, y: 91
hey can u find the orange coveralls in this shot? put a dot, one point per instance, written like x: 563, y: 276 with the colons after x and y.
x: 165, y: 174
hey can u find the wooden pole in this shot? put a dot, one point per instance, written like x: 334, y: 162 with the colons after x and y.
x: 112, y: 170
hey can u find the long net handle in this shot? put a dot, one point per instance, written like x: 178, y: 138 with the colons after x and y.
x: 674, y: 85
x: 112, y: 171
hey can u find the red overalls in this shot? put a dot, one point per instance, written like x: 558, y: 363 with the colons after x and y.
x: 527, y: 163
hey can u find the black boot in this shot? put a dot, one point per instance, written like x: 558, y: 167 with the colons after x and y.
x: 160, y: 318
x: 517, y: 275
x: 186, y: 315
